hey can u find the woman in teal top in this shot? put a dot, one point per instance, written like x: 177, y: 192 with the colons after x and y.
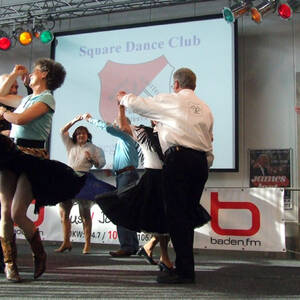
x: 31, y: 123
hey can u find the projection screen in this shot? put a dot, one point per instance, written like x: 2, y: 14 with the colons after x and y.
x: 141, y: 58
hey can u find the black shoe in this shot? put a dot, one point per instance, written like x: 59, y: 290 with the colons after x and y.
x: 149, y: 259
x: 173, y: 278
x: 164, y: 268
x: 121, y: 253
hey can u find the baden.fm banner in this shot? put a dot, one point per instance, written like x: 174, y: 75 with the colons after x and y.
x: 250, y: 219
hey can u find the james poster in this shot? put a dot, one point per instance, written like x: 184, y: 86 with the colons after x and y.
x: 271, y: 168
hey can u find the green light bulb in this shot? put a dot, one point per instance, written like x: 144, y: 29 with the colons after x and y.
x: 228, y: 15
x: 46, y: 37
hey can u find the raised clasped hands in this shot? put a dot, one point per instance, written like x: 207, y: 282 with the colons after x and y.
x: 20, y: 70
x: 86, y: 116
x: 120, y: 95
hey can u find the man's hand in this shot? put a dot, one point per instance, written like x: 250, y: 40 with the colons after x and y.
x: 120, y: 95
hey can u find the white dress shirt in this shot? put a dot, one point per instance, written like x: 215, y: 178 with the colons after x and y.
x: 183, y: 118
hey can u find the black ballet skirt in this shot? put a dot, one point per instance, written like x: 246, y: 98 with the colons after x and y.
x: 141, y: 207
x: 138, y: 208
x: 51, y: 181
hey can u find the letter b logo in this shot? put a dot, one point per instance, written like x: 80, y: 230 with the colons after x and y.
x: 216, y: 205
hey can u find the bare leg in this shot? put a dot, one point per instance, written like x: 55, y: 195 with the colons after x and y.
x: 151, y: 245
x: 164, y: 256
x: 64, y: 211
x: 85, y: 213
x: 22, y: 199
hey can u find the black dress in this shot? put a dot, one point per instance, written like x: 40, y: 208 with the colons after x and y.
x: 141, y: 207
x: 51, y: 181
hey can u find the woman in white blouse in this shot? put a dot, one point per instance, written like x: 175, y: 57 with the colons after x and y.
x: 82, y: 156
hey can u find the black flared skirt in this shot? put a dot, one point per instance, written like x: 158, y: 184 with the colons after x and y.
x: 51, y: 181
x: 139, y: 208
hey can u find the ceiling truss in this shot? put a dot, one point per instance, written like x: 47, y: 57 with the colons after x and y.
x: 25, y: 11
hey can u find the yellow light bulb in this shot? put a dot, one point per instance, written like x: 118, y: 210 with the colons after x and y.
x: 25, y: 38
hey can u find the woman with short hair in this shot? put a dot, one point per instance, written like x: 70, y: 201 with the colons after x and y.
x: 31, y: 124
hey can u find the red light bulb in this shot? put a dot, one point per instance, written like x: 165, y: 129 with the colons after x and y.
x: 5, y: 43
x: 284, y: 11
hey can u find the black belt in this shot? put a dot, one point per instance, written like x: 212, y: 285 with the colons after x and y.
x: 30, y: 143
x: 180, y: 148
x: 129, y: 168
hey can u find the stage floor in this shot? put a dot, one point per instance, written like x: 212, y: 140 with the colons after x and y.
x: 72, y: 275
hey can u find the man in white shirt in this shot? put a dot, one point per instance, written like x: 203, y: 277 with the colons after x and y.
x: 185, y: 134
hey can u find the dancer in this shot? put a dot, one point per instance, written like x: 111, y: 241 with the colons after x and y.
x: 9, y: 86
x: 31, y: 124
x: 141, y: 208
x: 125, y: 162
x: 58, y: 183
x: 82, y: 156
x: 185, y: 134
x: 4, y: 125
x: 9, y: 80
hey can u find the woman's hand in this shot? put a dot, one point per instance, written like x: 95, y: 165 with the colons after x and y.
x: 92, y: 160
x: 77, y: 118
x: 88, y: 156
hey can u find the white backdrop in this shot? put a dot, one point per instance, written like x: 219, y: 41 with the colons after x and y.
x: 242, y: 219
